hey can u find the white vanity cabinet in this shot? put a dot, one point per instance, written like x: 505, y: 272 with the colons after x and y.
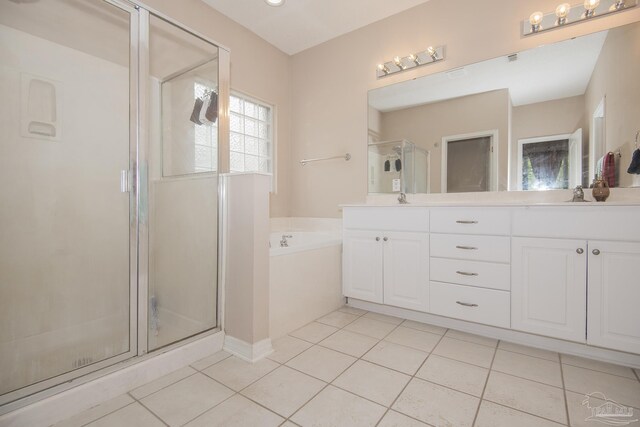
x: 568, y: 271
x: 388, y: 262
x: 548, y: 292
x: 614, y: 295
x: 575, y: 274
x: 362, y: 255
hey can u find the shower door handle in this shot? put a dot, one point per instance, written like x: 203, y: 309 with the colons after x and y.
x: 124, y: 181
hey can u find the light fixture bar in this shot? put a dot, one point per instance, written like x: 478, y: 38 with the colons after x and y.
x: 397, y: 64
x: 566, y: 14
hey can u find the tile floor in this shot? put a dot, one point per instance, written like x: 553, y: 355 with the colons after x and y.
x: 356, y: 368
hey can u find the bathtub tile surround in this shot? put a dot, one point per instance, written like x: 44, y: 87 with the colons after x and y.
x: 387, y: 383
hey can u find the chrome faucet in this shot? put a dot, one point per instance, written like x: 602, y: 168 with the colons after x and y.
x: 402, y: 198
x: 284, y: 243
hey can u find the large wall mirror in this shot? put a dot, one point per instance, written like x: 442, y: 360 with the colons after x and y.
x: 545, y: 118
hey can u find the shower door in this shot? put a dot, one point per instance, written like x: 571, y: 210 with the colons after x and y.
x: 67, y: 203
x: 184, y: 87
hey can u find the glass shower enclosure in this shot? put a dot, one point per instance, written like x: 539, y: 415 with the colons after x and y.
x: 109, y: 186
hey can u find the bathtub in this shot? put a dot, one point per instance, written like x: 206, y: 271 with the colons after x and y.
x: 305, y: 278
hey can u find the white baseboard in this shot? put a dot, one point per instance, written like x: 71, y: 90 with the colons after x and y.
x: 75, y: 400
x: 517, y: 337
x: 248, y: 352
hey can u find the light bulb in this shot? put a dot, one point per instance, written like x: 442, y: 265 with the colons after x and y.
x: 535, y: 20
x: 432, y: 53
x: 383, y: 68
x: 414, y: 58
x: 562, y: 12
x: 398, y: 61
x: 590, y: 7
x: 274, y: 2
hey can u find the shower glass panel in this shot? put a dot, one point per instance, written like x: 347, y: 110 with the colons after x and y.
x: 65, y: 286
x: 183, y: 184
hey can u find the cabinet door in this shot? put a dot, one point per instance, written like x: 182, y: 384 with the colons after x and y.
x: 614, y: 295
x: 362, y: 265
x: 548, y: 287
x: 406, y: 270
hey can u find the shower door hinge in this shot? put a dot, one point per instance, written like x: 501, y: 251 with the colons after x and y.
x: 124, y: 181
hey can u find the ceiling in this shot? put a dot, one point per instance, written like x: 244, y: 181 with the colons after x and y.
x: 555, y: 71
x: 300, y: 24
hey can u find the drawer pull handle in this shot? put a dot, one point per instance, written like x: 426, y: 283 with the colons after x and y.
x: 466, y: 304
x: 466, y: 222
x: 464, y: 273
x: 467, y: 248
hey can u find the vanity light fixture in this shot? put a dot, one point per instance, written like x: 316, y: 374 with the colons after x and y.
x: 535, y: 20
x: 414, y: 59
x: 562, y: 11
x: 428, y: 56
x: 399, y: 63
x: 590, y: 7
x: 566, y: 14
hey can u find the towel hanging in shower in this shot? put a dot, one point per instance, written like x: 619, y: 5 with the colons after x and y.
x: 634, y: 167
x: 387, y: 166
x: 212, y: 108
x: 197, y: 108
x: 398, y: 165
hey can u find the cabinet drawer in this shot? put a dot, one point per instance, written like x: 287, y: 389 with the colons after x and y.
x: 469, y: 247
x: 496, y: 221
x: 471, y: 273
x: 392, y: 218
x: 468, y: 303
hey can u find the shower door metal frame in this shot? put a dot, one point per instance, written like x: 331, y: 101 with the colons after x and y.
x: 53, y: 385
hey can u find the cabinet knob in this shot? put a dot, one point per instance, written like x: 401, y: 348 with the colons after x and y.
x: 596, y: 252
x: 580, y: 251
x: 385, y: 239
x: 377, y: 239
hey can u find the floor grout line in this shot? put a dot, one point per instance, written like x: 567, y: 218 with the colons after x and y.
x: 564, y: 391
x: 486, y: 382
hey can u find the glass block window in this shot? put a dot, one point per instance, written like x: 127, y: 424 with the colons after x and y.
x: 205, y: 139
x: 251, y: 139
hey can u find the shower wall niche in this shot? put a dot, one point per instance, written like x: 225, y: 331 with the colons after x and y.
x: 40, y: 108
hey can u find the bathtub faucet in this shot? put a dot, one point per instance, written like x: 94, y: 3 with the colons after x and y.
x: 283, y: 242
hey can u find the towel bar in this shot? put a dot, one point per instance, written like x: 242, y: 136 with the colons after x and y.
x: 346, y: 157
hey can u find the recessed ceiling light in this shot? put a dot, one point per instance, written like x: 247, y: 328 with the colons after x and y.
x: 274, y: 2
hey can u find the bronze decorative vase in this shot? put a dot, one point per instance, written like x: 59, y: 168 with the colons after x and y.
x: 600, y: 190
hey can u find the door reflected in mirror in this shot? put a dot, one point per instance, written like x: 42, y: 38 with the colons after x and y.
x: 541, y: 119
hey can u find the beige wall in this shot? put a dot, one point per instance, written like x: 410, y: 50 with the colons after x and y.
x: 330, y: 103
x: 561, y: 116
x: 258, y: 69
x: 426, y: 125
x: 615, y: 76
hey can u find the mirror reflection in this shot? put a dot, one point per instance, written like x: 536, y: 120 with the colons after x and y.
x: 547, y: 118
